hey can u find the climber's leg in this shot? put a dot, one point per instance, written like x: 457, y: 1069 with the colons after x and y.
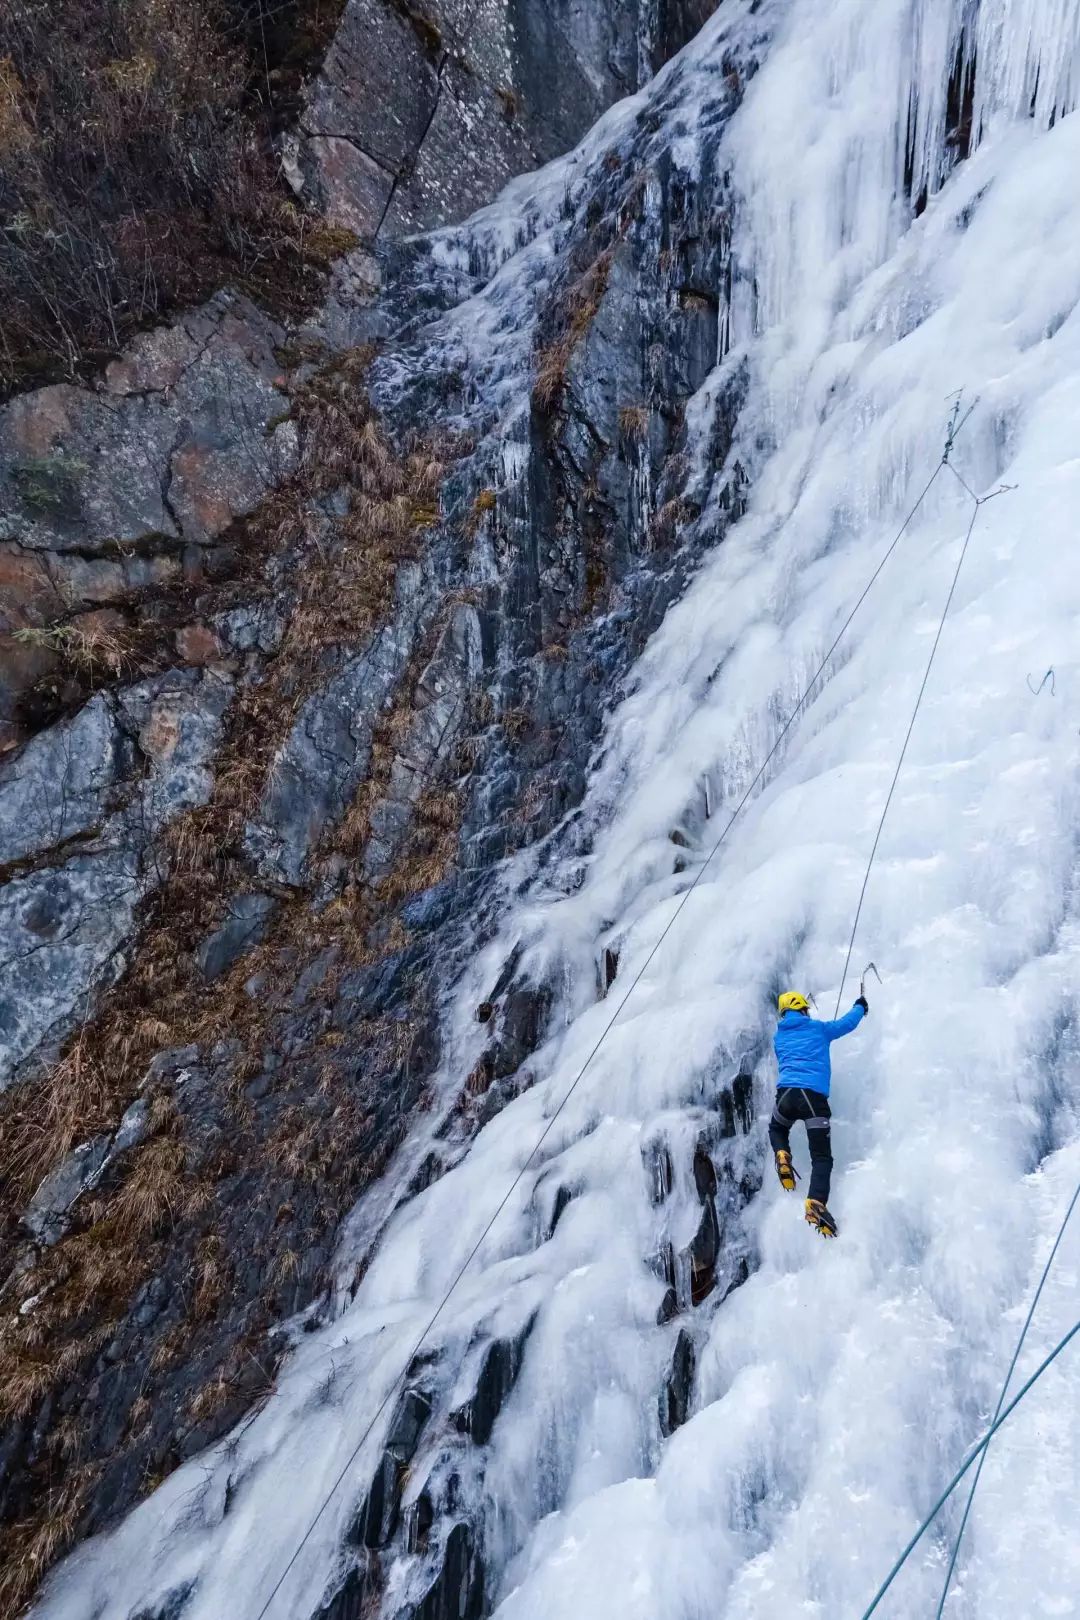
x: 780, y: 1139
x: 819, y: 1136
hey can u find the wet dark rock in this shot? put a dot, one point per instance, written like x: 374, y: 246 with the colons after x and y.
x: 412, y: 1413
x: 706, y: 1244
x: 662, y: 1264
x: 419, y: 1518
x: 656, y: 1156
x: 522, y: 1019
x: 60, y: 932
x: 421, y: 115
x: 431, y: 1168
x: 736, y: 1105
x: 352, y: 1601
x: 739, y: 1275
x: 431, y: 907
x: 164, y: 449
x: 172, y: 1607
x: 174, y: 1064
x: 563, y: 1198
x: 704, y: 1173
x: 506, y: 974
x: 703, y: 1254
x: 246, y: 921
x: 668, y: 1307
x: 678, y: 1385
x: 149, y: 1302
x: 677, y: 22
x: 437, y: 714
x: 457, y: 1593
x: 424, y: 1359
x: 257, y: 627
x: 59, y: 785
x: 327, y: 754
x: 497, y: 1376
x: 64, y: 927
x: 46, y: 1215
x: 379, y: 1517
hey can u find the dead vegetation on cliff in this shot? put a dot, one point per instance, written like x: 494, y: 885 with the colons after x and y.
x: 342, y: 562
x: 138, y: 170
x: 575, y: 312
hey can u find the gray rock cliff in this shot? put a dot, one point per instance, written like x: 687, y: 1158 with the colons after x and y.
x: 308, y: 631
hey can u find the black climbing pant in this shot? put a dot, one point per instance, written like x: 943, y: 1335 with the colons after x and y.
x: 798, y: 1102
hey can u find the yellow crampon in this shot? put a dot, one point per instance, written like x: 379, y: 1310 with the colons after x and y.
x: 785, y: 1170
x: 819, y: 1218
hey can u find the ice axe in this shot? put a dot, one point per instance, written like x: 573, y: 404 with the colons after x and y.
x: 870, y: 967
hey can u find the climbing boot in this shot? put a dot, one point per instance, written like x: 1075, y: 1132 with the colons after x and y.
x: 785, y: 1170
x: 819, y: 1218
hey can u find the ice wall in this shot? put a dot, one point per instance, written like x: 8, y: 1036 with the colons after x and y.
x: 885, y: 258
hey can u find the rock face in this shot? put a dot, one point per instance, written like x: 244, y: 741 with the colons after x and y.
x: 110, y: 491
x: 82, y: 808
x: 47, y: 1215
x: 376, y: 585
x: 426, y: 108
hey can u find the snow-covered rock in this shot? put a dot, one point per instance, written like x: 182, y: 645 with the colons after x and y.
x: 891, y: 188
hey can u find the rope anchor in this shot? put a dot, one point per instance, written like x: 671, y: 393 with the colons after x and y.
x: 955, y: 423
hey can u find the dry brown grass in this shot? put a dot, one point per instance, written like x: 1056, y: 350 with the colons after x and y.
x: 344, y: 589
x: 485, y: 502
x: 161, y: 1194
x: 28, y: 1548
x: 210, y: 1399
x: 515, y: 723
x: 153, y: 1192
x: 551, y: 366
x: 348, y: 588
x: 634, y: 423
x: 533, y: 800
x: 95, y: 644
x: 574, y: 315
x: 479, y: 1080
x: 667, y: 521
x: 430, y: 849
x: 286, y: 1268
x: 137, y: 171
x: 169, y: 1348
x: 139, y: 1415
x: 597, y: 575
x: 511, y: 102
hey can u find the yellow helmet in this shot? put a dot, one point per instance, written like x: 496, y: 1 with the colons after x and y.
x: 793, y: 1001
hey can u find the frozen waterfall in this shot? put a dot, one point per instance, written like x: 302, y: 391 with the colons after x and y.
x: 905, y: 225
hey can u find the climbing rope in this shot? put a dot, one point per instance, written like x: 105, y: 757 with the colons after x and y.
x: 979, y: 503
x: 953, y: 430
x: 999, y: 1417
x: 980, y: 1450
x: 1001, y: 1399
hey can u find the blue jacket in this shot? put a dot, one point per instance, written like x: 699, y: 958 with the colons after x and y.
x: 802, y: 1047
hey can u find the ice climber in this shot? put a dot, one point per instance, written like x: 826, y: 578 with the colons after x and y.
x: 802, y: 1092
